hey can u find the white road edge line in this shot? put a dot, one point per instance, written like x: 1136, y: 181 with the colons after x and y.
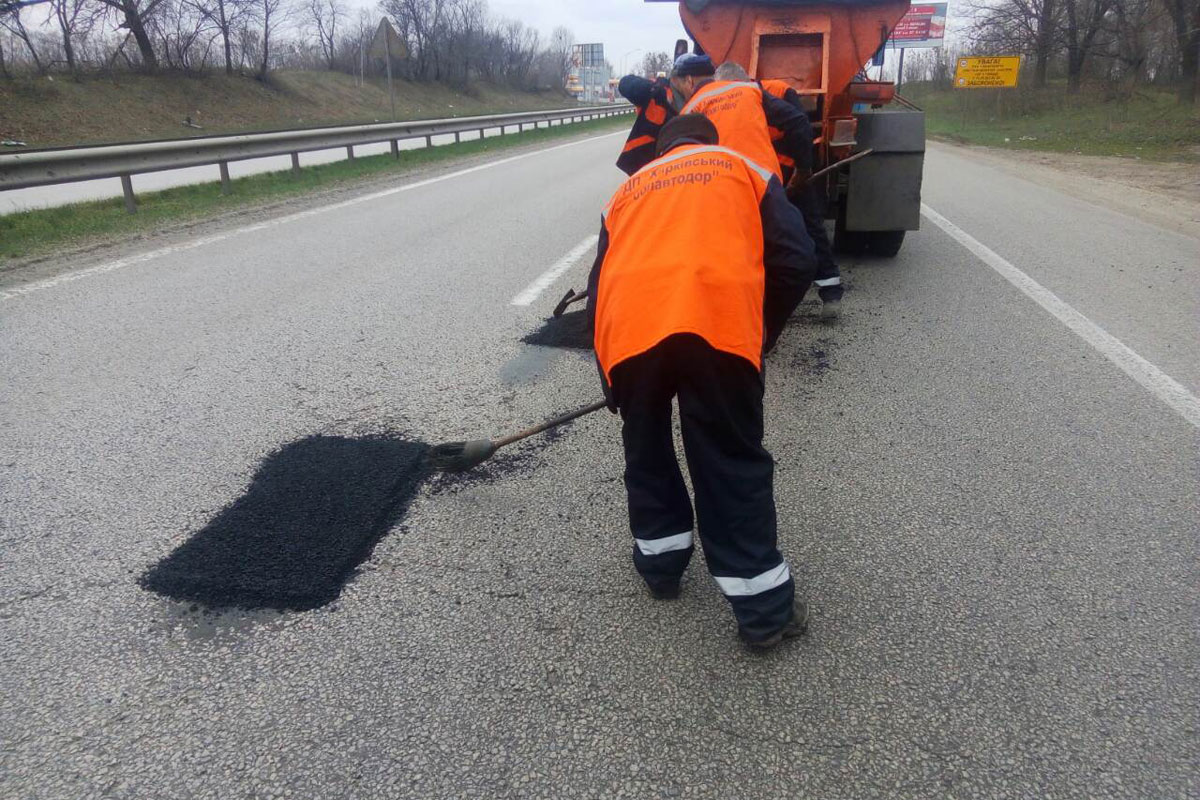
x: 543, y: 281
x: 1160, y: 384
x: 151, y: 255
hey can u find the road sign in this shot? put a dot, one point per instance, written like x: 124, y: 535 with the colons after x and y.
x: 987, y: 72
x: 923, y: 26
x: 386, y: 44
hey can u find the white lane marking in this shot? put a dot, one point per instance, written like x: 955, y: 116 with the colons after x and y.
x: 161, y: 252
x: 1159, y: 383
x: 543, y: 281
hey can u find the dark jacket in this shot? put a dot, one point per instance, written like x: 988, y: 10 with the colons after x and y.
x: 655, y: 102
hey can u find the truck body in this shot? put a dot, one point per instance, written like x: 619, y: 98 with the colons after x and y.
x: 820, y: 48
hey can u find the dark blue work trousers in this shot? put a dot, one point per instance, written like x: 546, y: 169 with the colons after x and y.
x: 720, y: 399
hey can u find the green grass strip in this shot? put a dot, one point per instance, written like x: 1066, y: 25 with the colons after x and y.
x: 27, y: 234
x: 1149, y: 125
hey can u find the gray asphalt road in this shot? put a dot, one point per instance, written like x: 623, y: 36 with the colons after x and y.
x: 996, y: 526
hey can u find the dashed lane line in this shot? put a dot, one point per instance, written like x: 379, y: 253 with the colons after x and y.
x: 141, y: 258
x: 1157, y: 382
x: 543, y: 281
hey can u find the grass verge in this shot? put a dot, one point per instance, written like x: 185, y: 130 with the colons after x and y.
x: 1148, y: 124
x: 28, y: 234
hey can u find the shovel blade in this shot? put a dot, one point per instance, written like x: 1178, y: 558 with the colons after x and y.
x: 566, y: 301
x: 460, y: 456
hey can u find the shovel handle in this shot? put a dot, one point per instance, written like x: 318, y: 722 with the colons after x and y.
x: 839, y: 164
x: 551, y: 423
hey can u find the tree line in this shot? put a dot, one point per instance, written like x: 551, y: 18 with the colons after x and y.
x: 1114, y: 42
x: 453, y: 41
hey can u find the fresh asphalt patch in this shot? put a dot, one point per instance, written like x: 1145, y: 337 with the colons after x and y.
x: 572, y: 330
x: 312, y: 514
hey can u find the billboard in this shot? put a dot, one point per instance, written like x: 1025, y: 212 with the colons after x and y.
x: 923, y: 26
x: 588, y: 55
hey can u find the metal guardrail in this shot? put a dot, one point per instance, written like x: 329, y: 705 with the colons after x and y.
x: 48, y: 167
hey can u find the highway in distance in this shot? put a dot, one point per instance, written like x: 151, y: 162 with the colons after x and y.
x: 986, y: 476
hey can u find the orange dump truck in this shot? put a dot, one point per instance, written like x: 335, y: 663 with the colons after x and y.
x: 820, y: 48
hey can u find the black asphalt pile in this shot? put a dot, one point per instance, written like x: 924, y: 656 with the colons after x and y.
x: 572, y: 330
x: 312, y: 514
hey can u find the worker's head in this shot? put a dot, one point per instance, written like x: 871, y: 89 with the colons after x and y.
x: 686, y: 129
x: 690, y: 71
x: 732, y: 71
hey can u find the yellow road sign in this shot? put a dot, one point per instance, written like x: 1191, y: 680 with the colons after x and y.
x: 986, y: 72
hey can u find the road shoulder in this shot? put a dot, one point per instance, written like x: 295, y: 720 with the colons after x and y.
x: 1166, y: 194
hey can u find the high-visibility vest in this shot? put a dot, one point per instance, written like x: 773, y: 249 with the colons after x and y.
x: 643, y: 137
x: 735, y: 108
x: 778, y: 88
x: 685, y: 255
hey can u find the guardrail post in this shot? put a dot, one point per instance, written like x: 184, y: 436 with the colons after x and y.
x: 481, y: 133
x: 457, y: 137
x: 224, y: 167
x: 296, y: 164
x: 127, y: 189
x: 429, y: 141
x: 350, y: 152
x: 395, y: 149
x: 520, y: 127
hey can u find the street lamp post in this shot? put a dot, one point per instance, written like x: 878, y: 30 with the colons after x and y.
x: 627, y: 55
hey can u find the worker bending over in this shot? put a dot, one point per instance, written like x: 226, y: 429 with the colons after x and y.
x: 743, y: 114
x: 803, y: 194
x: 701, y: 261
x: 656, y: 103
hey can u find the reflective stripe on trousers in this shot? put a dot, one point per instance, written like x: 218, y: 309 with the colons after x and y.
x: 763, y: 582
x: 667, y: 544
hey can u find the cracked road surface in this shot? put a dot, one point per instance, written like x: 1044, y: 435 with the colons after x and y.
x: 996, y: 527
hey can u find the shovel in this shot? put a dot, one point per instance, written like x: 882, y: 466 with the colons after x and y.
x: 569, y: 298
x: 462, y: 456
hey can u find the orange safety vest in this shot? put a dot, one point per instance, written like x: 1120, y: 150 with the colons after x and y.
x: 736, y: 109
x: 779, y: 89
x: 685, y: 255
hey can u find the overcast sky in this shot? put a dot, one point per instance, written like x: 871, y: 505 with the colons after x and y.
x: 621, y: 25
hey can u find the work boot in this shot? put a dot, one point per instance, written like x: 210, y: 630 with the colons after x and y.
x: 797, y: 627
x: 669, y: 590
x: 831, y: 310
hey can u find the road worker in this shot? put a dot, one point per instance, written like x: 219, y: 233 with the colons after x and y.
x: 701, y: 261
x: 656, y: 102
x: 829, y: 277
x: 743, y: 114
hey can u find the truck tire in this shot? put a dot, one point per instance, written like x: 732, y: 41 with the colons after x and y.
x: 884, y: 243
x: 850, y: 243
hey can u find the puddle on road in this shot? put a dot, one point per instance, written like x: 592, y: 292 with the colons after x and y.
x: 312, y: 514
x: 196, y: 624
x: 528, y: 366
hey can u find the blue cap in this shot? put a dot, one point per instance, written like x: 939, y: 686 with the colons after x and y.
x: 692, y: 64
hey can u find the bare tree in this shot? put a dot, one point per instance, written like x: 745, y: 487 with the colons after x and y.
x: 1028, y: 27
x: 654, y: 63
x: 419, y: 22
x: 11, y: 21
x: 134, y: 15
x: 271, y: 15
x: 327, y: 17
x: 1085, y: 18
x: 224, y: 16
x: 74, y: 18
x: 560, y: 53
x: 1185, y: 14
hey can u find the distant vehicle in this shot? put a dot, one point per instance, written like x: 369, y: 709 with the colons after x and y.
x: 820, y: 48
